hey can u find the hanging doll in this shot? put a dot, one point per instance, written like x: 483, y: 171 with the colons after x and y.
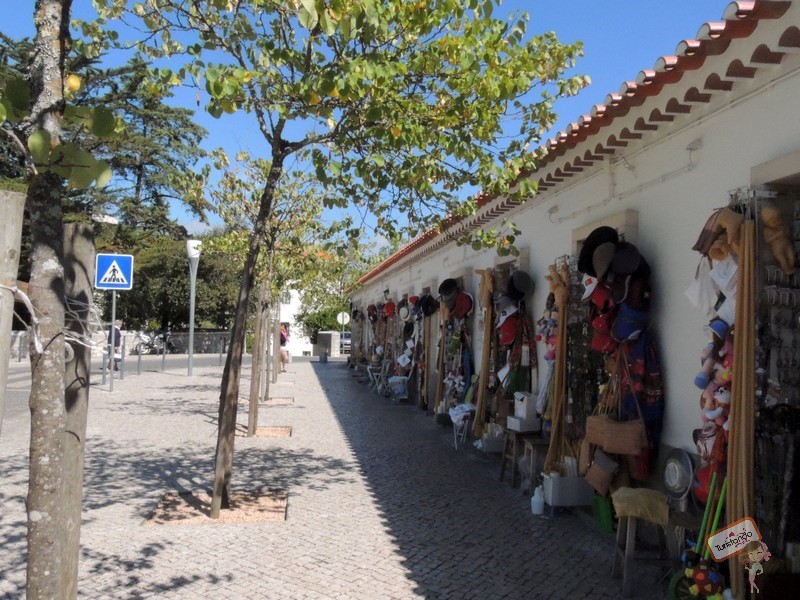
x: 776, y: 235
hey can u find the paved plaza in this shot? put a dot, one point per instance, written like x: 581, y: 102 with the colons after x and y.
x: 380, y: 504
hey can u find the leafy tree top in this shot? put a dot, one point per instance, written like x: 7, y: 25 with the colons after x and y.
x: 402, y: 105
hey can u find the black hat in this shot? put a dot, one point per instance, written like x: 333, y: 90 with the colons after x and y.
x: 429, y: 305
x: 519, y: 284
x: 448, y: 290
x: 598, y: 236
x: 626, y: 259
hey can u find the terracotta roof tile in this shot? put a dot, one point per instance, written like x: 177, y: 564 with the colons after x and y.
x: 713, y: 38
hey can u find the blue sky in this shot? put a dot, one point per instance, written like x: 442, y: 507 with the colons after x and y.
x: 621, y: 37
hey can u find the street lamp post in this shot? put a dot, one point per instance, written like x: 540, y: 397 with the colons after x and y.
x: 193, y: 250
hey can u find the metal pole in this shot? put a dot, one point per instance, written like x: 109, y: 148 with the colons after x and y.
x: 122, y: 354
x: 193, y: 250
x: 164, y: 355
x: 112, y: 338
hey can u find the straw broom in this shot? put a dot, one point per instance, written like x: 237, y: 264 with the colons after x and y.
x: 487, y: 277
x: 559, y: 285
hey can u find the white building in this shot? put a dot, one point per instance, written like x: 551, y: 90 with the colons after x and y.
x: 299, y: 344
x: 715, y: 119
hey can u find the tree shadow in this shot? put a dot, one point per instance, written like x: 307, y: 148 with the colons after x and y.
x: 462, y: 532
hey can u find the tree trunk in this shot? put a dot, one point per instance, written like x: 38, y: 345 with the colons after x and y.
x: 46, y: 518
x: 47, y: 527
x: 229, y: 394
x: 11, y: 210
x: 79, y: 266
x: 259, y: 340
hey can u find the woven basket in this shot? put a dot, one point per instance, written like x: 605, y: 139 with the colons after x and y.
x: 596, y: 429
x: 601, y: 472
x: 624, y: 437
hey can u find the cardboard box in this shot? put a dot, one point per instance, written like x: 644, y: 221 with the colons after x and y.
x: 517, y: 424
x: 567, y: 491
x: 524, y: 405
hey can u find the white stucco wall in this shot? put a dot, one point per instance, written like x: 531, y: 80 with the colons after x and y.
x: 298, y: 343
x: 754, y: 123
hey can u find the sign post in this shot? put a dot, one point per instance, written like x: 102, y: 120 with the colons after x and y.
x: 113, y: 272
x: 343, y: 318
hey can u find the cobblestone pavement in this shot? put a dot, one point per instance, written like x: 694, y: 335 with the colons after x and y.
x: 380, y: 503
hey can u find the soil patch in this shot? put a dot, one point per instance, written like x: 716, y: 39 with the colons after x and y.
x: 274, y: 432
x: 279, y: 401
x: 194, y: 508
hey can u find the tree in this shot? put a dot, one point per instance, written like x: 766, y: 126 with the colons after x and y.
x: 46, y: 510
x: 43, y: 148
x: 401, y: 104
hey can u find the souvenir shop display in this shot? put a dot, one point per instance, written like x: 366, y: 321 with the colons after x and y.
x: 746, y: 283
x: 456, y: 369
x: 512, y: 357
x: 559, y: 280
x: 627, y: 415
x: 775, y: 444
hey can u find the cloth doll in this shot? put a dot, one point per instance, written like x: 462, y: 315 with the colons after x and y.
x: 776, y: 235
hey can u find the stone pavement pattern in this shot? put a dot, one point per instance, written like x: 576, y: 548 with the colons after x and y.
x: 380, y: 504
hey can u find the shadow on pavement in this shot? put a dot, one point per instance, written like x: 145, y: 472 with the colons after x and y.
x: 463, y: 533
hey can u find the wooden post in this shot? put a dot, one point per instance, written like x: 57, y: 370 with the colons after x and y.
x: 79, y: 254
x: 443, y: 315
x: 487, y: 281
x: 12, y: 205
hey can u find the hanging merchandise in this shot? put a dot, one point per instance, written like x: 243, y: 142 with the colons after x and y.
x: 559, y: 280
x: 616, y: 283
x: 486, y: 304
x: 455, y: 358
x: 508, y: 359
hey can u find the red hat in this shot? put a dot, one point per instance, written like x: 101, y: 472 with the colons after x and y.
x: 463, y: 305
x: 507, y: 328
x: 389, y: 309
x: 413, y: 299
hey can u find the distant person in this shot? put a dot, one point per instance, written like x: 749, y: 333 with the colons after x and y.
x: 284, y: 353
x: 117, y: 332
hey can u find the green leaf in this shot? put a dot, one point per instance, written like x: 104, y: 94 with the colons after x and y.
x: 327, y: 24
x: 307, y: 19
x: 103, y: 173
x: 103, y: 122
x: 2, y: 114
x: 39, y: 145
x: 18, y: 93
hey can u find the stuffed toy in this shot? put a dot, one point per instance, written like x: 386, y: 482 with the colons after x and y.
x: 776, y: 235
x: 706, y: 581
x: 716, y: 405
x: 546, y: 332
x: 714, y: 353
x: 730, y: 221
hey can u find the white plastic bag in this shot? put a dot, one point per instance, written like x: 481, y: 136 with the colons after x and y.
x: 702, y: 291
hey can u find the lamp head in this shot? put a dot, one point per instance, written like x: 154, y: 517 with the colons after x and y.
x: 193, y: 248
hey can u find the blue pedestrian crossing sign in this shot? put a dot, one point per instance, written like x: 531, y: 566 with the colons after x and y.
x: 113, y: 272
